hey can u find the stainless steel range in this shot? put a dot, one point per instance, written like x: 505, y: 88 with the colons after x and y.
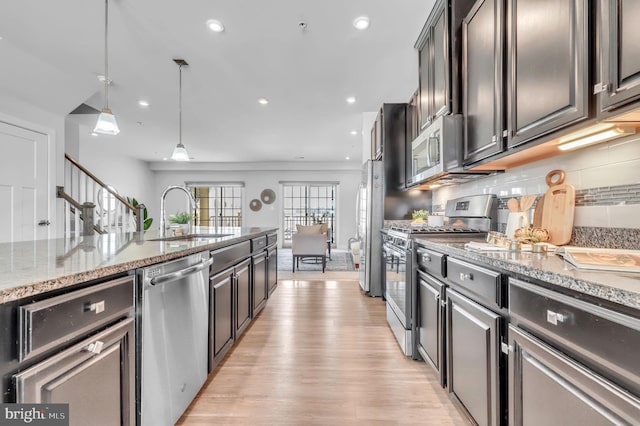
x: 469, y: 216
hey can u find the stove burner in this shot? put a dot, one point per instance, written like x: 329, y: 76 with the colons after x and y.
x: 424, y: 229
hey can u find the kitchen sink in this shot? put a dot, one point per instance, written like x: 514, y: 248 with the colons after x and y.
x: 190, y: 237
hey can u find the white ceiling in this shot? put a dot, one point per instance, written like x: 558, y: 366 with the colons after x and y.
x: 52, y: 51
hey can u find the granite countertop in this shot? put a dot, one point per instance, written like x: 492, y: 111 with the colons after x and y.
x: 621, y: 288
x: 33, y: 267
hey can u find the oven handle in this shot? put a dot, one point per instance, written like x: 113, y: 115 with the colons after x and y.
x: 161, y: 279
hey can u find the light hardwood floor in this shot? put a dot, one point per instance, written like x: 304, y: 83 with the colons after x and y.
x: 321, y: 353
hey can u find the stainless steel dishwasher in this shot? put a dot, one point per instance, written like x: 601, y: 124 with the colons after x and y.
x: 174, y: 309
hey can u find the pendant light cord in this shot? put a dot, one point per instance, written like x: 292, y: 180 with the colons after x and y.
x: 106, y: 58
x: 180, y: 104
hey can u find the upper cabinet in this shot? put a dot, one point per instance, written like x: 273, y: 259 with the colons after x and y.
x: 482, y: 80
x: 619, y: 45
x: 438, y: 47
x: 547, y: 66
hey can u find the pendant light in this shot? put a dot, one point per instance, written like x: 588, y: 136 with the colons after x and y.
x: 106, y: 124
x: 180, y: 152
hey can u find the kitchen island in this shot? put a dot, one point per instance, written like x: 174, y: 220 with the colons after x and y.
x: 31, y: 268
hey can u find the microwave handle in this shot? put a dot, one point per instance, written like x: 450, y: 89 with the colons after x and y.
x: 433, y: 138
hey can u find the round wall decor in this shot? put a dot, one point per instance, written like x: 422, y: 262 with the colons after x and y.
x: 255, y: 205
x: 268, y: 196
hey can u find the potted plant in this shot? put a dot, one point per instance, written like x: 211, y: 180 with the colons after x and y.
x: 181, y: 222
x: 419, y: 216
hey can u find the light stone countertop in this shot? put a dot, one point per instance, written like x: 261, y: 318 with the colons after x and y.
x: 33, y: 267
x: 617, y: 287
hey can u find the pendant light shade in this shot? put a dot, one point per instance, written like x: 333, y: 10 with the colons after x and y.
x: 107, y: 124
x: 180, y: 152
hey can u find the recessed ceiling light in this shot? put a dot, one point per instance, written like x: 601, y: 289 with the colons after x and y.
x: 215, y: 26
x: 354, y: 132
x: 347, y: 158
x: 94, y: 134
x: 164, y: 159
x: 263, y: 101
x: 361, y: 22
x: 143, y: 103
x: 351, y: 100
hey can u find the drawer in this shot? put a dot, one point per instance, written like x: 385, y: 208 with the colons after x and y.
x: 485, y: 284
x: 430, y: 261
x: 605, y: 340
x: 272, y: 239
x: 46, y: 324
x: 229, y: 256
x: 258, y: 244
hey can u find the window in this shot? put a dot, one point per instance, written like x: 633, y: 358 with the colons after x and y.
x: 308, y: 204
x: 218, y: 204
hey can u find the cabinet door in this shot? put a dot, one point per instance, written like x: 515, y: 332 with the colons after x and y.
x: 272, y: 271
x: 473, y: 373
x: 221, y: 316
x: 242, y: 282
x: 95, y: 377
x: 259, y: 282
x: 441, y: 64
x: 548, y: 68
x: 482, y: 80
x: 548, y: 388
x: 430, y: 323
x: 425, y: 59
x: 619, y: 52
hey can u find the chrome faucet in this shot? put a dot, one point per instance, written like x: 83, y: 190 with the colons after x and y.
x: 163, y: 219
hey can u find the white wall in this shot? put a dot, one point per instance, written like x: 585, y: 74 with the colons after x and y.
x: 607, y: 164
x: 257, y: 177
x: 129, y: 176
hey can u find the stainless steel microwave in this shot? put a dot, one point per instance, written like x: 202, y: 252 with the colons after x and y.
x: 437, y: 150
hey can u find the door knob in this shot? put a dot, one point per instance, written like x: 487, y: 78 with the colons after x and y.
x: 44, y: 222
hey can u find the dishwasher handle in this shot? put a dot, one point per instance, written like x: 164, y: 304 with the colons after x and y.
x: 161, y: 279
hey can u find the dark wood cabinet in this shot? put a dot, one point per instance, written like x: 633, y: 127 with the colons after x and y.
x: 619, y: 81
x: 221, y: 326
x: 438, y: 47
x: 430, y: 322
x: 482, y: 80
x: 473, y: 358
x: 259, y: 287
x: 242, y: 289
x: 413, y: 130
x: 547, y: 387
x: 547, y: 66
x: 272, y: 270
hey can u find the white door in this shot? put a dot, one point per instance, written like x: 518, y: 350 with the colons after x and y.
x: 24, y: 184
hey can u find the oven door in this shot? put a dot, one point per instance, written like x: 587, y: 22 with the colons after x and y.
x: 398, y: 295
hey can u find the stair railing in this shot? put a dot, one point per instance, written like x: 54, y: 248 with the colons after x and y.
x: 95, y: 206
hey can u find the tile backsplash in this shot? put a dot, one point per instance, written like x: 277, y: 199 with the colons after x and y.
x: 607, y: 182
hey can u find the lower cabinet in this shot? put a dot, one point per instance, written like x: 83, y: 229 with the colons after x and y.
x: 259, y: 267
x: 95, y: 377
x: 272, y: 270
x: 473, y: 358
x: 548, y: 388
x: 429, y: 323
x: 221, y: 327
x: 242, y: 289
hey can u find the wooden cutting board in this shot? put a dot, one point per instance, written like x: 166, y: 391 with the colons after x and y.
x: 559, y: 208
x: 537, y: 213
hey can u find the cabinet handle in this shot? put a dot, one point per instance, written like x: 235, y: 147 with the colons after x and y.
x: 94, y: 307
x: 599, y: 88
x: 95, y: 347
x: 555, y: 317
x: 464, y: 277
